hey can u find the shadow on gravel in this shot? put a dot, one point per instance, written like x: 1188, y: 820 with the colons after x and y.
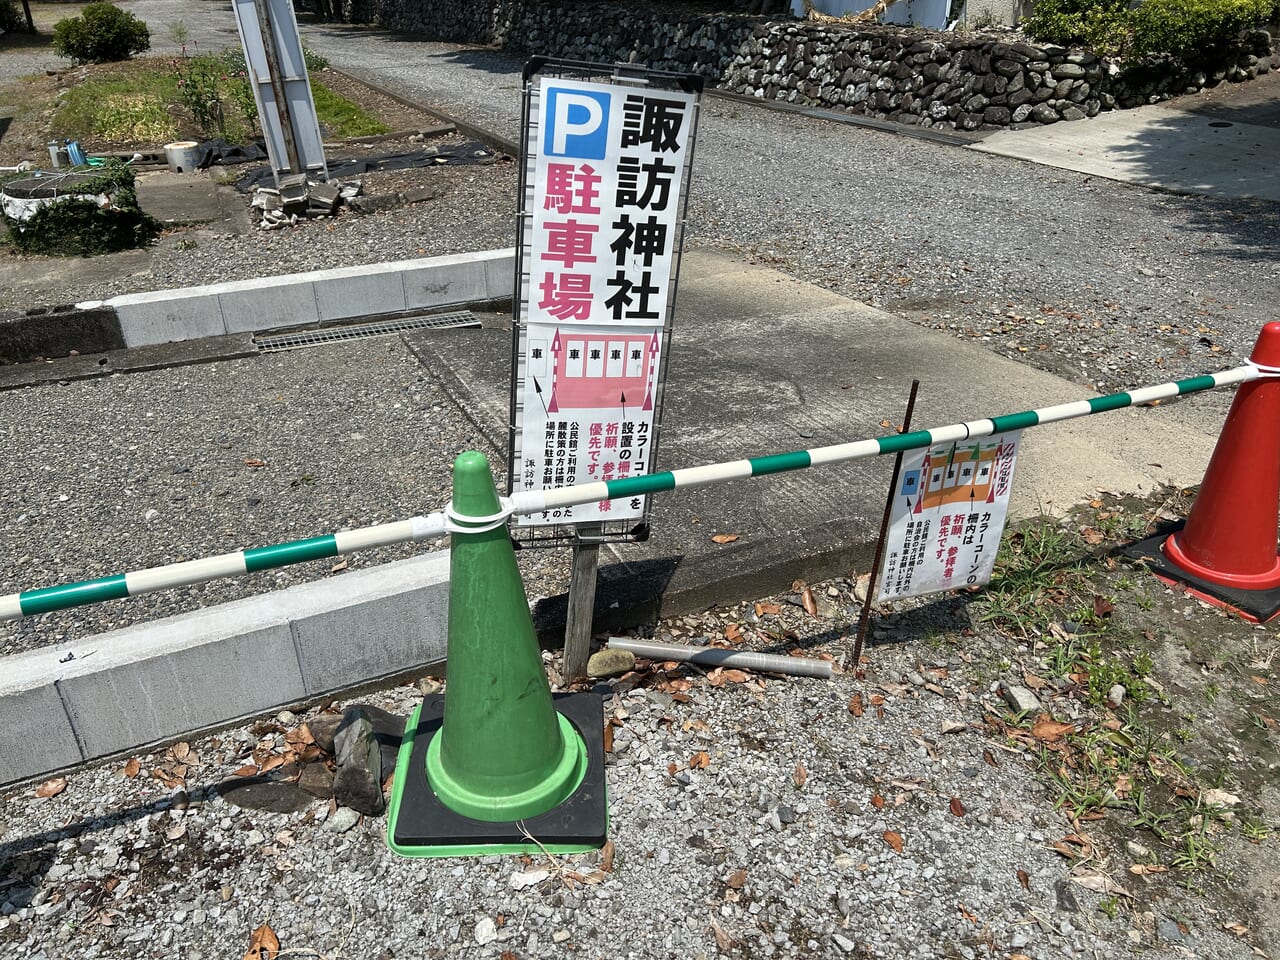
x: 1253, y: 226
x: 25, y: 860
x: 23, y: 41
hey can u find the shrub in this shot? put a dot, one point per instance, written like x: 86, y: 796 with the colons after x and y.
x: 1100, y: 25
x: 101, y: 34
x: 1188, y: 28
x: 1194, y: 27
x: 79, y: 227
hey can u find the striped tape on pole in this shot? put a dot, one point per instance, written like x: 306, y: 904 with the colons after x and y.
x: 213, y: 568
x: 536, y: 501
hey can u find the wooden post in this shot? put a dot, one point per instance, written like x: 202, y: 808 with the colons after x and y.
x: 582, y: 600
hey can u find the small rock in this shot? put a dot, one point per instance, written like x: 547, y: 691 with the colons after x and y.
x: 844, y: 943
x: 530, y: 878
x: 1115, y: 696
x: 1137, y: 850
x: 323, y: 729
x: 341, y: 820
x: 358, y: 782
x: 610, y: 663
x: 1020, y: 699
x: 486, y: 932
x: 560, y: 936
x: 1169, y: 929
x: 428, y: 686
x: 317, y: 780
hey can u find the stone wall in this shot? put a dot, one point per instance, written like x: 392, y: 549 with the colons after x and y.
x: 950, y: 80
x: 962, y: 81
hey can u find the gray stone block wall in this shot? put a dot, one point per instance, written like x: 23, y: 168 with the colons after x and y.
x: 963, y: 81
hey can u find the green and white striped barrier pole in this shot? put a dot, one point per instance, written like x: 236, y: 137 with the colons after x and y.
x: 522, y: 503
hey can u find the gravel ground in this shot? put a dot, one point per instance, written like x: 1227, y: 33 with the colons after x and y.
x: 872, y: 816
x: 124, y: 867
x: 135, y: 471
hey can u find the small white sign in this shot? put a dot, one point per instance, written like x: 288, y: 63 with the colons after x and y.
x: 948, y: 515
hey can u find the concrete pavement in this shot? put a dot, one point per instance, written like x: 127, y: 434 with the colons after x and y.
x: 762, y: 363
x: 1220, y: 143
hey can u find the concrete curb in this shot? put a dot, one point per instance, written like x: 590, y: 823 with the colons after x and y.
x: 159, y: 681
x: 266, y: 303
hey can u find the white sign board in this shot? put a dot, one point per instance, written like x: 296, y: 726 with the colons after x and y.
x: 604, y: 205
x: 948, y: 515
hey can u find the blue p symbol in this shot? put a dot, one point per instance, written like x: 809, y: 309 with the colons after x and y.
x: 577, y: 123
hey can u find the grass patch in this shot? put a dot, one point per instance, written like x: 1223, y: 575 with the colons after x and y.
x: 343, y: 117
x: 142, y: 102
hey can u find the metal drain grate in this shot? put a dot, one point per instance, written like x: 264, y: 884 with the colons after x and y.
x: 362, y: 331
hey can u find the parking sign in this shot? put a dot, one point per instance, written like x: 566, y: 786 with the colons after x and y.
x: 606, y: 167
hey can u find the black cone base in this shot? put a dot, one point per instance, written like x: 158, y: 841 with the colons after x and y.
x: 1256, y: 605
x: 419, y: 825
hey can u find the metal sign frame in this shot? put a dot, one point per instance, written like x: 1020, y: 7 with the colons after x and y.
x: 281, y: 87
x: 623, y: 75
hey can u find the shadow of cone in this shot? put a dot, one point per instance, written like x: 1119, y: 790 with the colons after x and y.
x: 499, y: 762
x: 1225, y: 552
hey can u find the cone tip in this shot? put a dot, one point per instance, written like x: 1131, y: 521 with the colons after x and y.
x: 1267, y: 350
x: 474, y: 494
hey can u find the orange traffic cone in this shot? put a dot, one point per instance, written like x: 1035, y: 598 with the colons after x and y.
x: 1225, y: 553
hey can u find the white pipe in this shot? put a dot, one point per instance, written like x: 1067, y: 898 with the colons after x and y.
x: 720, y: 657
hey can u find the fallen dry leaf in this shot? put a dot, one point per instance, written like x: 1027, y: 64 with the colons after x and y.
x: 1024, y: 878
x: 808, y: 602
x: 1239, y: 929
x: 763, y: 609
x: 877, y: 801
x: 855, y: 705
x: 724, y: 538
x: 1034, y: 682
x: 723, y: 940
x: 339, y: 566
x: 180, y: 751
x: 248, y: 770
x: 1145, y: 869
x: 800, y: 775
x: 254, y: 462
x: 608, y: 737
x: 132, y: 768
x: 737, y: 880
x: 51, y: 788
x: 733, y: 633
x: 177, y: 831
x: 1102, y: 607
x: 1048, y: 729
x: 988, y: 757
x: 700, y: 760
x: 957, y: 808
x: 1098, y: 882
x: 893, y: 839
x: 263, y: 944
x: 606, y: 856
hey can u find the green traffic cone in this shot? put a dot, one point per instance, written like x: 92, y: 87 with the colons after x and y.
x: 497, y: 765
x: 504, y: 752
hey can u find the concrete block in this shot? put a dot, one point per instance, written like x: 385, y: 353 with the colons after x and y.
x: 147, y: 319
x: 500, y: 274
x: 36, y: 735
x: 358, y: 293
x: 180, y: 675
x: 253, y: 305
x: 445, y: 281
x: 384, y: 622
